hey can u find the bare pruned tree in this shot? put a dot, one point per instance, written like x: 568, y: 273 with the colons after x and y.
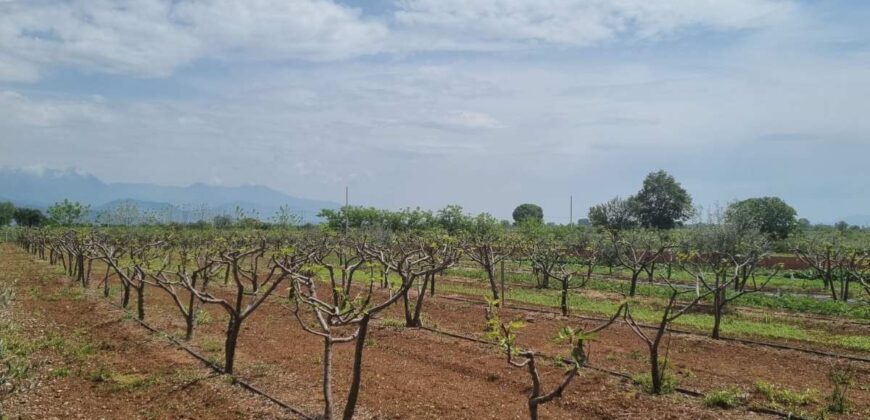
x: 721, y: 256
x: 637, y: 251
x: 577, y: 338
x: 857, y: 265
x: 343, y: 313
x: 487, y: 243
x: 669, y: 314
x: 413, y: 258
x: 255, y: 274
x: 194, y: 269
x: 826, y: 255
x: 131, y: 264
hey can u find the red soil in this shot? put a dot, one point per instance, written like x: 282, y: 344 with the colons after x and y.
x: 407, y: 373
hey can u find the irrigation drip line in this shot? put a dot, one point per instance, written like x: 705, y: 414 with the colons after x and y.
x: 738, y: 340
x: 684, y: 391
x: 236, y: 380
x: 804, y: 316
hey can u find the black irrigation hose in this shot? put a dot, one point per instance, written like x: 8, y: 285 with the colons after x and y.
x: 684, y: 391
x: 236, y: 380
x: 685, y: 332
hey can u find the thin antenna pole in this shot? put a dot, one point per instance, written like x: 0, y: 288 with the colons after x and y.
x: 571, y: 211
x: 345, y: 209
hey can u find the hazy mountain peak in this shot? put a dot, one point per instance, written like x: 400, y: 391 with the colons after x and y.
x: 40, y: 187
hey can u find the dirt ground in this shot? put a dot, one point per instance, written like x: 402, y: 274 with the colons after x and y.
x: 128, y: 372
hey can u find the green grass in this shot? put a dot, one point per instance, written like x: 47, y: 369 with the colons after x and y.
x: 725, y: 398
x: 394, y: 323
x: 649, y: 313
x: 66, y: 293
x: 669, y: 382
x: 788, y: 302
x: 202, y: 317
x: 779, y: 396
x: 61, y: 372
x: 118, y: 382
x: 211, y: 345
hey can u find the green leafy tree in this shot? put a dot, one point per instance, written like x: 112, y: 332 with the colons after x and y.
x: 353, y: 216
x: 803, y: 224
x: 28, y: 217
x: 614, y: 215
x: 453, y: 219
x: 285, y: 217
x: 67, y: 213
x: 222, y: 222
x: 768, y: 215
x: 662, y: 203
x: 528, y: 212
x: 7, y: 211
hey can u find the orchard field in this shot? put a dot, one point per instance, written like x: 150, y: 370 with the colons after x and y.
x: 316, y: 323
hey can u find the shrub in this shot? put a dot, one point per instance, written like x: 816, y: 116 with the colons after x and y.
x: 725, y: 398
x: 843, y: 377
x: 785, y: 397
x: 669, y: 382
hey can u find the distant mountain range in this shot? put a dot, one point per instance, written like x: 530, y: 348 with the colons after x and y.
x: 44, y: 187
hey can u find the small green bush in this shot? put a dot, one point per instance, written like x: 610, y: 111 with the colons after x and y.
x: 786, y: 397
x: 725, y: 398
x: 669, y: 382
x: 394, y: 323
x: 202, y: 317
x: 843, y: 377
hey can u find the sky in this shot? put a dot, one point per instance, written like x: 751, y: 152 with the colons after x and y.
x: 485, y: 103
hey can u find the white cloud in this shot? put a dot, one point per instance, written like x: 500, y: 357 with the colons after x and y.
x: 270, y: 29
x: 469, y: 119
x: 580, y: 22
x: 155, y: 37
x: 417, y: 129
x: 18, y: 109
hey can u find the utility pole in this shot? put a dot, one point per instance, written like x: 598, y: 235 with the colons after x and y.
x: 571, y: 211
x: 345, y: 209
